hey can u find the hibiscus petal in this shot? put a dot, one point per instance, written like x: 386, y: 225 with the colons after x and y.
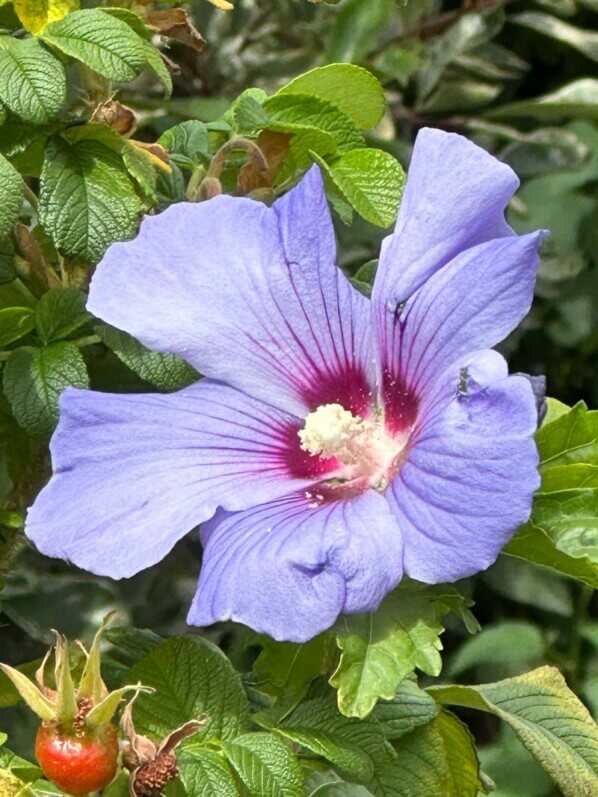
x: 134, y: 473
x: 455, y: 198
x: 289, y: 569
x: 468, y: 482
x: 472, y: 303
x: 247, y: 294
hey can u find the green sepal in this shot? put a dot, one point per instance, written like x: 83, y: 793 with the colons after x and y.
x: 34, y: 698
x: 91, y: 684
x: 102, y: 713
x: 66, y: 698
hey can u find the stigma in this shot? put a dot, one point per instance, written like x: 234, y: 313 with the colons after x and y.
x: 361, y: 446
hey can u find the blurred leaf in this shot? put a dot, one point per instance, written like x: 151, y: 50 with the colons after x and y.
x: 165, y: 371
x: 436, y: 759
x: 586, y: 41
x: 36, y: 14
x: 371, y: 180
x: 35, y: 378
x: 379, y: 649
x: 545, y: 150
x: 205, y: 772
x: 87, y: 200
x: 548, y: 719
x: 524, y: 583
x: 515, y: 771
x: 60, y: 312
x: 14, y: 323
x: 192, y: 678
x: 265, y: 765
x: 352, y: 89
x: 512, y: 645
x: 576, y: 99
x: 32, y: 81
x: 357, y: 28
x: 468, y: 32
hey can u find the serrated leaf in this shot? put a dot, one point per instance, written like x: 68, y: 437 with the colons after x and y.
x: 192, y: 678
x: 291, y: 113
x: 187, y: 141
x: 408, y: 709
x: 36, y: 14
x: 371, y: 180
x: 349, y: 744
x: 87, y: 199
x: 35, y: 378
x: 14, y: 323
x: 248, y: 113
x: 265, y: 765
x: 106, y: 44
x: 165, y: 371
x: 32, y: 81
x: 60, y: 312
x: 563, y: 532
x: 205, y: 773
x: 351, y: 88
x: 379, y: 649
x: 548, y: 719
x: 437, y: 759
x: 11, y: 191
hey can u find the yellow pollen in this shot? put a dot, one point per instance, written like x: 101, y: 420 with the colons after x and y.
x: 333, y: 431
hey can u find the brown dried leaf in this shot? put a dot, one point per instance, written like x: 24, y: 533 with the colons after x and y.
x: 274, y: 147
x: 118, y: 116
x: 175, y: 24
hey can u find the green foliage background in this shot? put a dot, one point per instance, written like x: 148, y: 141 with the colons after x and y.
x: 517, y: 76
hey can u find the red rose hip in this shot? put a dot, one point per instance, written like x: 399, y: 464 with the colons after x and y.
x: 79, y: 762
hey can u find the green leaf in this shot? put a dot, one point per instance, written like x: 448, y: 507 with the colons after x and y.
x: 514, y: 645
x: 352, y: 89
x: 32, y: 81
x: 586, y: 41
x: 106, y: 44
x: 87, y: 200
x: 14, y: 323
x: 165, y: 371
x: 265, y: 765
x: 548, y: 719
x: 290, y: 113
x: 248, y: 113
x: 60, y: 312
x: 436, y: 759
x: 192, y: 678
x: 11, y: 191
x: 563, y: 531
x: 379, y: 649
x: 358, y: 25
x: 350, y: 745
x: 408, y: 709
x: 288, y: 668
x: 371, y: 180
x: 34, y: 380
x: 187, y: 142
x: 576, y: 99
x: 205, y: 773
